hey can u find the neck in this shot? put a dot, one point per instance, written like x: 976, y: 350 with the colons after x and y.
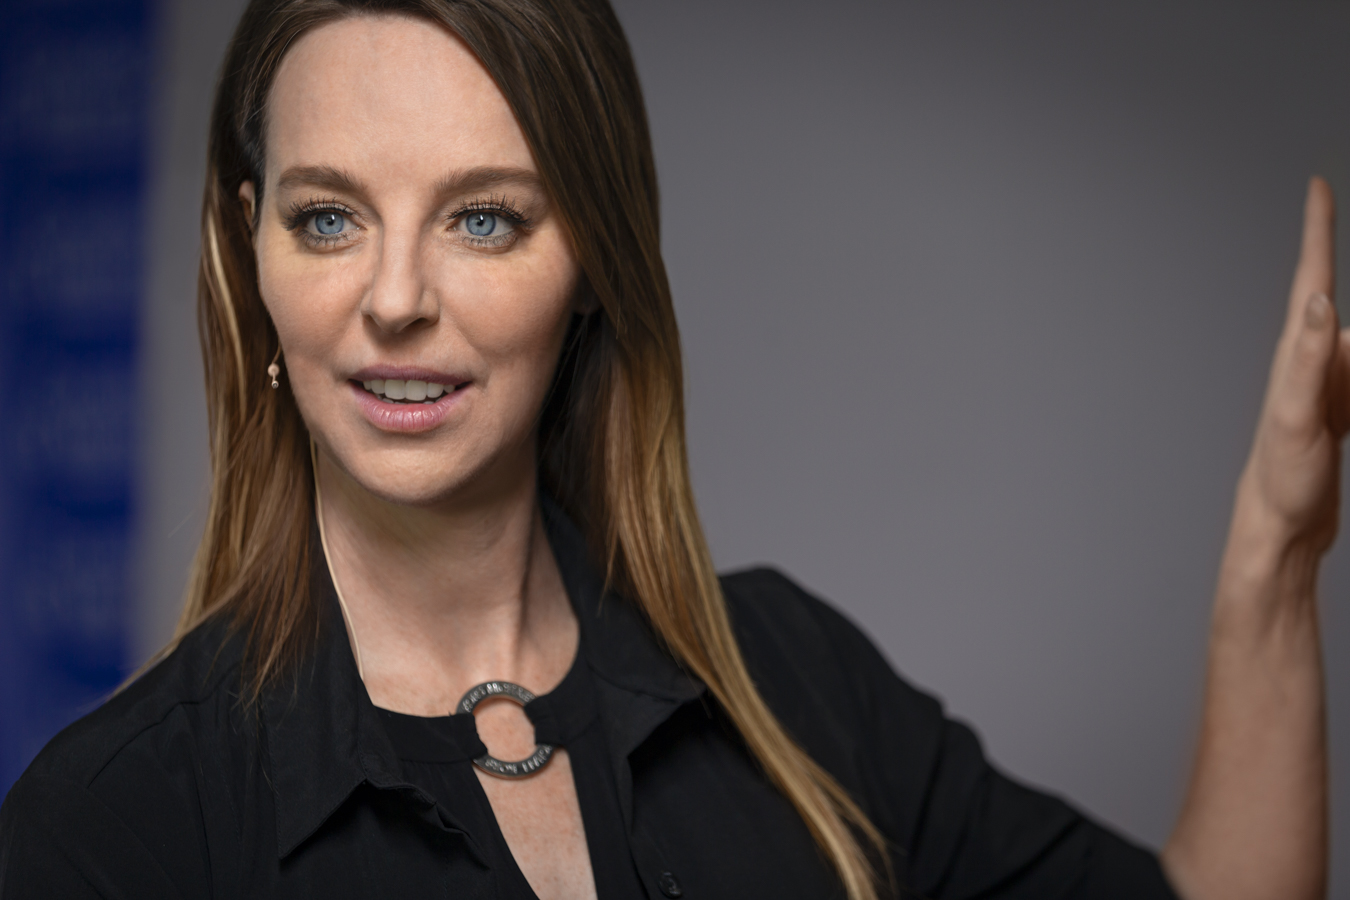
x: 442, y: 597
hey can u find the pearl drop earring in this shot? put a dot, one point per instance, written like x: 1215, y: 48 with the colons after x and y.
x: 274, y: 370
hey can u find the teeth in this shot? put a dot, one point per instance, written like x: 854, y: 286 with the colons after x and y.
x: 412, y: 391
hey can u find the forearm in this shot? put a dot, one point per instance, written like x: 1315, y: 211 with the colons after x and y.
x: 1254, y: 824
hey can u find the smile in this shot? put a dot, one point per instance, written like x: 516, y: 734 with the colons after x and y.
x: 392, y: 390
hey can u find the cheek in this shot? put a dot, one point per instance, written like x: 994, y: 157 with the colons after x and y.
x: 309, y: 299
x: 515, y: 316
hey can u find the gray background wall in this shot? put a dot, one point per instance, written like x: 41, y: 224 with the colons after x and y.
x: 977, y: 302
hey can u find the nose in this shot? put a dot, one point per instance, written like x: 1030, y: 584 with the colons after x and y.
x: 398, y: 297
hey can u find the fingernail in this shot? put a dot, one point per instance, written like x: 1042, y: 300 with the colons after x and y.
x: 1318, y: 311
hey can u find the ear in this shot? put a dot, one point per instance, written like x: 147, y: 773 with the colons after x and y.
x: 585, y: 301
x: 247, y: 196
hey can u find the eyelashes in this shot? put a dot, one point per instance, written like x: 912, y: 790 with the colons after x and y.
x: 499, y: 206
x: 321, y: 222
x: 489, y: 222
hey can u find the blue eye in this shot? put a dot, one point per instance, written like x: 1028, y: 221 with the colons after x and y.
x: 486, y: 224
x: 481, y: 224
x: 329, y: 222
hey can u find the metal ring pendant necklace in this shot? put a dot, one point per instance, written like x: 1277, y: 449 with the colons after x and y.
x: 475, y: 695
x: 489, y: 763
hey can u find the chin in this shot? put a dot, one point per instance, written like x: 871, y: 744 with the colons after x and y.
x: 426, y: 493
x: 430, y: 476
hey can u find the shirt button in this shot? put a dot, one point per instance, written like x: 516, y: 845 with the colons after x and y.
x: 669, y: 886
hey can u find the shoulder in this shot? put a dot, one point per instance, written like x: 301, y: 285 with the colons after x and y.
x: 201, y: 669
x: 777, y: 620
x: 803, y: 652
x: 137, y: 756
x: 767, y: 605
x: 116, y: 798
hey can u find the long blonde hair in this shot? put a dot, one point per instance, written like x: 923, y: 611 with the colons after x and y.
x: 612, y: 443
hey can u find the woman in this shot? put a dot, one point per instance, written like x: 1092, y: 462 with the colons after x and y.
x: 449, y: 475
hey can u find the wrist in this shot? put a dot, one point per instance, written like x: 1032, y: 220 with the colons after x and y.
x: 1269, y: 562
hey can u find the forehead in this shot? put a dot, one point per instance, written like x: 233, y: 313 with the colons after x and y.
x: 392, y: 97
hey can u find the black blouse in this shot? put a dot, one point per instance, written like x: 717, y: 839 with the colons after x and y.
x: 437, y: 755
x: 177, y: 789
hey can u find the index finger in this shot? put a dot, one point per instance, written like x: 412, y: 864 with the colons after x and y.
x: 1316, y: 271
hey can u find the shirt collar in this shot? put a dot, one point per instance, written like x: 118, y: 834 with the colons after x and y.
x: 618, y: 642
x: 638, y: 685
x: 323, y: 734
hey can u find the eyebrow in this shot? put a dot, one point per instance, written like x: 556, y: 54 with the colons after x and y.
x: 460, y: 181
x: 320, y: 177
x: 463, y: 181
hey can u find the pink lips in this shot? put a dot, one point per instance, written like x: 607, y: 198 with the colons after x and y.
x: 406, y: 373
x: 407, y: 418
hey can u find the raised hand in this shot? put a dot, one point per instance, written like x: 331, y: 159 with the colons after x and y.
x: 1254, y: 824
x: 1289, y: 489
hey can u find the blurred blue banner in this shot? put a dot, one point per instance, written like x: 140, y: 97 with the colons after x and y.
x: 74, y: 85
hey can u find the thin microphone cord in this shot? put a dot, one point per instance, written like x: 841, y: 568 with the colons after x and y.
x: 328, y: 558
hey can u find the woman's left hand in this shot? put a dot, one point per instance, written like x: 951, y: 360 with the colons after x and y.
x: 1288, y: 496
x: 1254, y: 824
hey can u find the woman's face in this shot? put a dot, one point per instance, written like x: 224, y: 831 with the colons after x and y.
x: 419, y: 281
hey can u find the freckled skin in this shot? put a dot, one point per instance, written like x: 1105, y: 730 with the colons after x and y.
x: 402, y: 291
x: 433, y: 537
